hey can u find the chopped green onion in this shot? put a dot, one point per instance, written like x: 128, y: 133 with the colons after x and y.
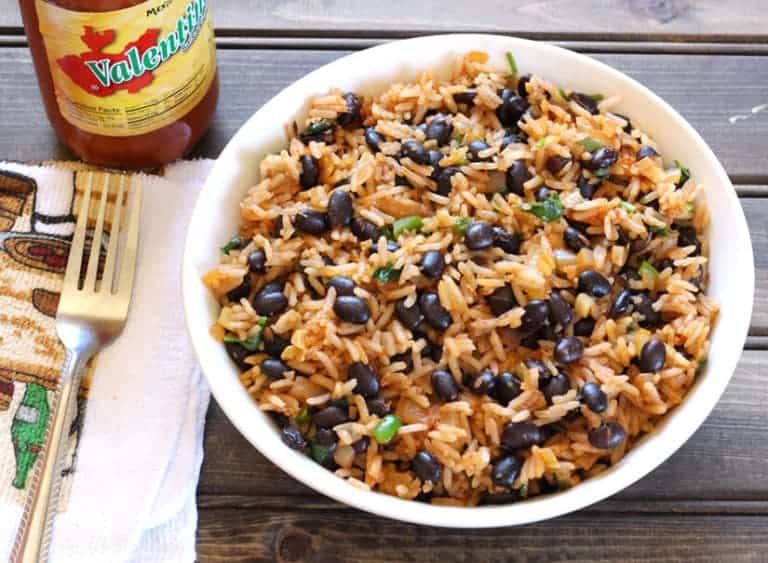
x: 685, y: 173
x: 661, y: 231
x: 386, y: 273
x: 646, y: 269
x: 689, y: 209
x: 461, y: 225
x: 412, y: 223
x: 233, y: 243
x: 523, y: 491
x: 597, y: 97
x: 702, y: 365
x: 302, y: 417
x: 459, y: 138
x: 628, y: 207
x: 590, y: 144
x: 512, y: 63
x: 543, y: 141
x: 601, y: 173
x: 318, y: 126
x: 322, y: 453
x: 549, y: 210
x: 252, y: 342
x: 388, y: 234
x: 563, y: 95
x: 385, y: 430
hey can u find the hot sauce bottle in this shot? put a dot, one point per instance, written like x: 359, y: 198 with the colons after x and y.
x: 125, y: 83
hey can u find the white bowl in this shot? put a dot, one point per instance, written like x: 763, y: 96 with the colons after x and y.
x: 216, y: 217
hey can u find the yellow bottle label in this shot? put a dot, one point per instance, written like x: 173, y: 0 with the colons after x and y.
x: 131, y: 71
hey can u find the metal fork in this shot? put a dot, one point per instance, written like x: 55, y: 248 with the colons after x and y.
x: 90, y: 316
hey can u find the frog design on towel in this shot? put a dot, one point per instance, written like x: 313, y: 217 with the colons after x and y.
x: 35, y: 233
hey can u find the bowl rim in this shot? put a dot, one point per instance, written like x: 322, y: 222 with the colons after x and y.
x: 592, y: 490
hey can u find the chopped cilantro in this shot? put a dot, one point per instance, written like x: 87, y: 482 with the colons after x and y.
x: 512, y: 64
x: 322, y: 453
x: 543, y: 141
x: 459, y: 138
x: 597, y: 97
x: 702, y: 365
x: 388, y: 234
x: 549, y: 210
x: 590, y: 144
x: 601, y: 173
x: 233, y: 243
x: 628, y: 207
x: 253, y: 341
x: 319, y: 126
x: 661, y: 231
x: 685, y: 173
x: 302, y: 417
x: 523, y: 491
x: 646, y: 269
x: 689, y: 209
x: 412, y: 223
x: 461, y: 225
x: 563, y: 95
x: 386, y: 273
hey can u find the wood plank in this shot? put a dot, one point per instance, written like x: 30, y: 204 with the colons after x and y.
x: 724, y: 460
x: 291, y: 533
x: 251, y: 77
x: 630, y: 20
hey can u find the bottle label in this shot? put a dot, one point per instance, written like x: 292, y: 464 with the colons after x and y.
x: 131, y: 71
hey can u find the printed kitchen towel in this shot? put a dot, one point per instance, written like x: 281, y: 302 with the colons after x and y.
x: 136, y: 444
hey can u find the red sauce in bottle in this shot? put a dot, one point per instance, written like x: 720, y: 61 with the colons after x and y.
x: 125, y: 83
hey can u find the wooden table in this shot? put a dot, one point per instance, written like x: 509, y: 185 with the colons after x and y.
x: 709, y: 59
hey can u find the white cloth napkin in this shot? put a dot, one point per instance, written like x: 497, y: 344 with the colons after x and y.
x: 131, y: 493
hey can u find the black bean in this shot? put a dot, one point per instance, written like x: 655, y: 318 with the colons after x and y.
x: 530, y: 341
x: 575, y: 239
x: 444, y: 385
x: 434, y: 313
x: 361, y: 446
x: 536, y: 315
x: 508, y: 386
x: 342, y: 285
x: 443, y: 178
x: 373, y: 139
x: 686, y: 236
x: 555, y: 386
x: 466, y: 97
x: 270, y: 302
x: 652, y: 356
x: 257, y: 262
x: 432, y: 351
x: 584, y: 327
x: 434, y: 159
x: 432, y: 264
x: 482, y: 383
x: 410, y: 317
x: 521, y: 85
x: 404, y: 357
x: 601, y: 158
x: 275, y: 286
x: 330, y: 416
x: 416, y: 152
x: 586, y: 189
x: 352, y: 309
x: 479, y: 236
x: 238, y: 355
x: 312, y: 222
x: 511, y: 139
x: 364, y: 229
x: 542, y: 193
x: 342, y: 182
x: 586, y: 101
x: 594, y: 283
x: 664, y: 264
x: 273, y: 368
x: 367, y: 381
x: 392, y: 246
x: 501, y: 300
x: 646, y: 151
x: 651, y: 318
x: 310, y: 171
x: 352, y: 115
x: 517, y: 435
x: 339, y: 208
x: 621, y: 304
x: 379, y: 407
x: 639, y: 246
x: 556, y: 163
x: 426, y: 467
x: 292, y: 438
x: 517, y: 175
x: 277, y: 226
x: 629, y: 273
x: 274, y: 346
x: 508, y: 242
x: 326, y: 436
x: 569, y: 349
x: 593, y: 396
x: 440, y: 129
x: 475, y: 148
x: 539, y: 366
x: 607, y: 436
x: 506, y: 470
x: 628, y: 127
x: 560, y: 311
x: 511, y: 109
x: 242, y: 290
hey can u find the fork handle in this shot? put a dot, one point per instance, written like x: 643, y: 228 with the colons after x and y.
x: 34, y: 536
